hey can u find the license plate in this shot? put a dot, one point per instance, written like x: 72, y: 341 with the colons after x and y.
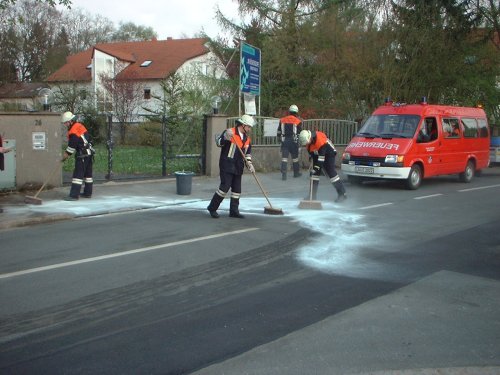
x: 366, y: 170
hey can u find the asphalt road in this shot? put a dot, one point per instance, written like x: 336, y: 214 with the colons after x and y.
x: 169, y: 291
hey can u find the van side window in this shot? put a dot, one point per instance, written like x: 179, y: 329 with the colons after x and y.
x: 428, y: 130
x: 451, y: 128
x: 483, y: 128
x: 470, y: 127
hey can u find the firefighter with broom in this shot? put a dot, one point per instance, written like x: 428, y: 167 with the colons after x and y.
x: 231, y: 165
x: 79, y: 145
x: 322, y: 151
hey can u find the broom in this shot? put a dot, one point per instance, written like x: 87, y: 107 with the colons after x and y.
x: 267, y: 210
x: 34, y: 199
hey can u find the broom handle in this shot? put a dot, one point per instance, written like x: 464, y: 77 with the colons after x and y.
x: 254, y: 175
x: 310, y: 182
x: 47, y: 181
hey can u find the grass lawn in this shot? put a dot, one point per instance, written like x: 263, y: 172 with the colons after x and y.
x: 137, y: 160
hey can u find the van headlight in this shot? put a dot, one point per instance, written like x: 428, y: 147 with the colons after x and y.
x: 394, y: 159
x: 346, y: 156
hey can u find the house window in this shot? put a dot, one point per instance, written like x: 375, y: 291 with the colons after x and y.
x: 146, y: 63
x: 147, y: 93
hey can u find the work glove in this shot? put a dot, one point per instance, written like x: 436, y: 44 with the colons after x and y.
x: 228, y: 134
x: 250, y: 167
x: 315, y: 171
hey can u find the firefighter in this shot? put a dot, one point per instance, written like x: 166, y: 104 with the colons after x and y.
x: 79, y: 144
x: 322, y: 152
x: 231, y: 165
x: 288, y: 133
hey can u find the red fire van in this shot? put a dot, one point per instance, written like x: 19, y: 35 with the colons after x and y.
x: 410, y: 142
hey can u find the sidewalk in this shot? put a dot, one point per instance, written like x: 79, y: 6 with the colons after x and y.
x: 126, y: 195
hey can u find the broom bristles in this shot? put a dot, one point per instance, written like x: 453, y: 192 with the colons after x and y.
x: 32, y: 200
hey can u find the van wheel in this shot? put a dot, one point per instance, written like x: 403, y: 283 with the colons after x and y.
x: 415, y: 178
x: 468, y: 174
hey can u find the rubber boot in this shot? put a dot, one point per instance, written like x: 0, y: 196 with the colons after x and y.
x: 339, y: 186
x: 233, y: 209
x: 214, y: 205
x: 74, y: 192
x: 284, y: 166
x: 296, y: 170
x: 88, y: 187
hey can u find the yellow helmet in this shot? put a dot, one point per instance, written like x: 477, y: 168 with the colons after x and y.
x: 304, y: 137
x: 67, y: 116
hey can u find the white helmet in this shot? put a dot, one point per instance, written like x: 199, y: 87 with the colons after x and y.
x: 247, y: 120
x: 67, y: 116
x: 304, y: 137
x: 293, y: 109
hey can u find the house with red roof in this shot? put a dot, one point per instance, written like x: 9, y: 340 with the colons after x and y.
x: 145, y: 63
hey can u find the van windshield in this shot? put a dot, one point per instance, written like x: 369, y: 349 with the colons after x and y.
x: 389, y: 126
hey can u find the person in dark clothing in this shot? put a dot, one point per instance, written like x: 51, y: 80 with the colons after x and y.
x: 79, y: 144
x: 322, y: 152
x: 231, y: 165
x: 288, y: 133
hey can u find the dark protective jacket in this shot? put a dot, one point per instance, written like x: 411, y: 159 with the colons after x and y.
x: 79, y: 141
x: 231, y: 160
x: 289, y: 128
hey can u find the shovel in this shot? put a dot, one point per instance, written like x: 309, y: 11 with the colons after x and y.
x: 310, y: 204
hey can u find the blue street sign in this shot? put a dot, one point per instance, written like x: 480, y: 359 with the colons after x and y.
x: 249, y: 69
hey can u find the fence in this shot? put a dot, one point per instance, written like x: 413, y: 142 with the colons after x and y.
x: 339, y: 131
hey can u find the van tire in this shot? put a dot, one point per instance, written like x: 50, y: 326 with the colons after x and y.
x: 414, y: 178
x: 467, y: 175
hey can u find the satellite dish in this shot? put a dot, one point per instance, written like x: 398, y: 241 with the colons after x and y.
x: 45, y: 97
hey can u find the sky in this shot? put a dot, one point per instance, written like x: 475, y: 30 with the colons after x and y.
x: 168, y: 18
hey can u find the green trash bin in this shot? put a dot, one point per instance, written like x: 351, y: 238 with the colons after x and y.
x: 184, y: 182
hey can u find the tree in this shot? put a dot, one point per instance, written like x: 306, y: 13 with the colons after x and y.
x: 130, y: 32
x: 28, y: 36
x: 122, y: 96
x: 85, y: 30
x: 6, y: 3
x: 57, y: 53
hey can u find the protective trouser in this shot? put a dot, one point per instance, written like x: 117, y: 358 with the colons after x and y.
x: 228, y: 181
x: 290, y: 147
x: 334, y: 177
x: 82, y: 174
